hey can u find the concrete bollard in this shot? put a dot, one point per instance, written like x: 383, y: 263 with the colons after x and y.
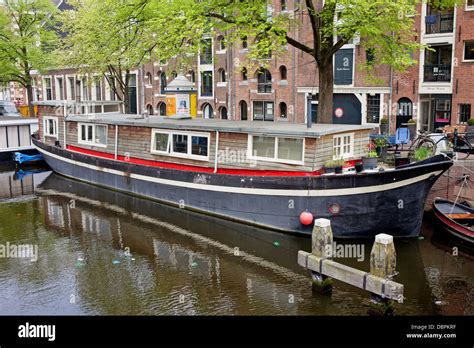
x: 321, y: 242
x: 383, y: 262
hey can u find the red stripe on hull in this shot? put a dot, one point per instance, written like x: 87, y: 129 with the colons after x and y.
x: 184, y: 167
x: 457, y: 228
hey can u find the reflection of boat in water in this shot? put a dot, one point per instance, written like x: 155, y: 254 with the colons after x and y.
x: 16, y: 183
x: 457, y: 219
x: 182, y: 242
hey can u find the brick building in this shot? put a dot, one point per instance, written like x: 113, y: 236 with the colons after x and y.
x: 437, y: 91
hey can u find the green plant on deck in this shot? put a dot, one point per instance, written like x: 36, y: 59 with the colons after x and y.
x: 421, y: 153
x: 470, y: 122
x: 381, y: 142
x: 371, y: 152
x: 384, y: 120
x: 334, y: 163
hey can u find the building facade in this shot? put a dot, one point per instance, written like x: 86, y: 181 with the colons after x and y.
x: 437, y: 91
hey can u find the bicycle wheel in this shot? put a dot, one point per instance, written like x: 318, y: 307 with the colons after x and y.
x: 424, y: 148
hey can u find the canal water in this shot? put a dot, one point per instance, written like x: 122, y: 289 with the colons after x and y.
x: 100, y: 252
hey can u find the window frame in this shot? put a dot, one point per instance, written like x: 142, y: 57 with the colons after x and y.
x: 275, y: 159
x: 462, y: 112
x: 55, y: 125
x: 464, y: 50
x: 264, y: 104
x: 93, y: 142
x: 469, y: 7
x: 352, y: 145
x: 171, y: 153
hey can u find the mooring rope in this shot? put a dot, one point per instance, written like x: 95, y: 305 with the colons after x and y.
x: 459, y: 193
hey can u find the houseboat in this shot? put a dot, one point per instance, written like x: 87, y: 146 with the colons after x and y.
x: 259, y: 173
x: 15, y: 132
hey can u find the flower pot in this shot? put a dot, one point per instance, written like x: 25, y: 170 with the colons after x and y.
x: 369, y: 162
x: 384, y: 128
x: 338, y: 170
x: 412, y: 129
x: 359, y: 167
x: 470, y: 134
x: 329, y: 170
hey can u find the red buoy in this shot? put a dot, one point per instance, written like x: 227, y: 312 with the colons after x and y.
x: 306, y: 218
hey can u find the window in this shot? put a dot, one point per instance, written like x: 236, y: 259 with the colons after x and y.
x: 244, y: 74
x: 192, y: 76
x: 370, y: 56
x: 181, y: 144
x: 93, y: 134
x: 111, y: 81
x: 223, y: 112
x: 206, y: 83
x: 163, y: 83
x: 283, y: 110
x: 276, y: 149
x: 221, y: 74
x: 243, y: 110
x: 48, y: 89
x: 72, y: 93
x: 50, y: 127
x: 464, y: 112
x: 161, y: 109
x: 263, y: 111
x: 148, y: 79
x: 207, y: 111
x: 469, y: 50
x: 60, y: 88
x: 343, y: 146
x: 264, y: 81
x: 283, y: 73
x: 221, y: 43
x: 98, y: 90
x: 373, y: 108
x: 206, y: 52
x: 244, y: 42
x: 469, y: 4
x: 284, y: 5
x: 149, y: 109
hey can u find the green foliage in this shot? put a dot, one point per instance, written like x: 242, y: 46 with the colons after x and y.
x: 334, y: 163
x: 381, y: 142
x: 27, y: 39
x: 384, y: 120
x: 411, y: 121
x: 470, y: 122
x: 422, y: 153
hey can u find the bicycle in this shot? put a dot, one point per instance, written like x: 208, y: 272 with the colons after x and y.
x: 458, y: 143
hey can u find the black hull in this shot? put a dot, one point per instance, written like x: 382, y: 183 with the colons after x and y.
x: 389, y: 202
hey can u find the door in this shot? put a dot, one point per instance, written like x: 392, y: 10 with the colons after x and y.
x: 347, y: 109
x: 425, y: 115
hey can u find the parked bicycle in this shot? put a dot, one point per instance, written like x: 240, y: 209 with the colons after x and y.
x: 457, y: 142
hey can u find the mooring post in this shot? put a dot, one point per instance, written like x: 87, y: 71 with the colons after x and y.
x: 383, y: 261
x: 321, y: 239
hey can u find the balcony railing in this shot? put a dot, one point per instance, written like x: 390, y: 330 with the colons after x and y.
x: 437, y: 73
x: 440, y: 23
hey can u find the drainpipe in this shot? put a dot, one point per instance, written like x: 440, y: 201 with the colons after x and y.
x: 217, y: 152
x: 116, y: 142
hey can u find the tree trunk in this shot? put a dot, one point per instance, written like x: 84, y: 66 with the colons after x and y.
x: 326, y: 90
x: 29, y: 92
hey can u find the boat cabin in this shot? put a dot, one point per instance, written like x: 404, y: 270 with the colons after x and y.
x: 101, y: 130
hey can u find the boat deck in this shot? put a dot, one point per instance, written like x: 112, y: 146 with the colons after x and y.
x: 13, y: 120
x: 249, y: 127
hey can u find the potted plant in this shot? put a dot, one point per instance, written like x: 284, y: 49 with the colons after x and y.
x: 369, y: 161
x: 381, y: 145
x: 333, y: 166
x: 411, y: 124
x: 421, y: 153
x: 384, y: 125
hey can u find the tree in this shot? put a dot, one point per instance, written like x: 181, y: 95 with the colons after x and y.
x: 385, y: 27
x: 27, y: 41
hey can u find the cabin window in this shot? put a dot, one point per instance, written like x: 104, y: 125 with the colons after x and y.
x: 93, y: 134
x: 181, y: 144
x: 277, y: 149
x: 50, y: 126
x: 343, y: 146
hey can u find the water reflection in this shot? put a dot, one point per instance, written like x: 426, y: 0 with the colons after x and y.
x: 103, y: 252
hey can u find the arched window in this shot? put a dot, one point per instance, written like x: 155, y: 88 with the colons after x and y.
x: 244, y: 42
x: 283, y: 110
x: 243, y: 110
x: 161, y: 107
x: 221, y: 75
x: 149, y: 109
x: 284, y: 5
x: 223, y: 112
x: 283, y: 72
x: 148, y: 79
x: 207, y: 111
x: 244, y: 74
x: 163, y: 82
x: 264, y: 78
x: 405, y: 107
x: 192, y: 76
x: 220, y: 43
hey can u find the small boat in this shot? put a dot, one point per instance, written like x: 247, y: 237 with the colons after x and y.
x: 456, y: 218
x: 22, y: 158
